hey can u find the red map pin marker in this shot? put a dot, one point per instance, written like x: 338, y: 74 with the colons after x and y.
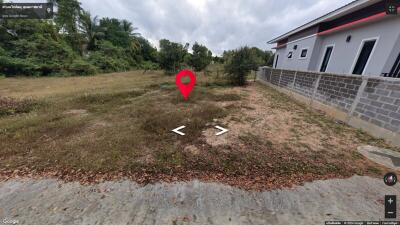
x: 185, y: 88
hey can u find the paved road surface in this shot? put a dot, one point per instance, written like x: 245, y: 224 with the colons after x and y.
x: 51, y: 202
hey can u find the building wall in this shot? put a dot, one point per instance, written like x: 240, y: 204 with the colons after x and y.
x: 369, y: 103
x: 297, y: 63
x: 281, y: 53
x: 344, y: 54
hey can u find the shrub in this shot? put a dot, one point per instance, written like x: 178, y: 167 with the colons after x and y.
x: 108, y: 64
x: 49, y: 56
x: 9, y: 106
x: 81, y: 67
x: 110, y: 58
x: 15, y: 66
x: 147, y: 65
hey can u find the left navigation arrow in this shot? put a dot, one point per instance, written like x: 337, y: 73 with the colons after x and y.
x: 177, y: 130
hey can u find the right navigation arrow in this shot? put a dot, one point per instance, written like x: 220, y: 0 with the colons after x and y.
x: 222, y: 130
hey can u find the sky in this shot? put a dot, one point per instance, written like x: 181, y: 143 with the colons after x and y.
x: 218, y: 24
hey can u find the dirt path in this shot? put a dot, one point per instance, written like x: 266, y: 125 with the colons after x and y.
x: 51, y: 202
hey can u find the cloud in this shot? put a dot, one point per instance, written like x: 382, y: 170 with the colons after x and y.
x: 218, y: 24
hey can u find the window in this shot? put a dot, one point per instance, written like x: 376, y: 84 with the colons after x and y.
x: 290, y: 55
x: 348, y: 39
x: 395, y: 71
x: 303, y: 53
x: 276, y: 61
x: 364, y: 56
x: 326, y: 59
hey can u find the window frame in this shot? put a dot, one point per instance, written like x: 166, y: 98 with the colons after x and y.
x: 291, y: 56
x: 276, y: 61
x: 376, y: 39
x: 300, y: 57
x: 323, y: 57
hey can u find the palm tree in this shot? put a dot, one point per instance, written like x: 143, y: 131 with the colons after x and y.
x: 89, y: 27
x: 128, y: 28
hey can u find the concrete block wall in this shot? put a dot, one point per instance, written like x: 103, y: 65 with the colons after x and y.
x: 338, y: 90
x: 380, y: 104
x: 305, y: 83
x: 275, y: 76
x: 287, y: 78
x: 368, y: 103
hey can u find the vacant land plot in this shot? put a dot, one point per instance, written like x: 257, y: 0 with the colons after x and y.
x: 115, y: 126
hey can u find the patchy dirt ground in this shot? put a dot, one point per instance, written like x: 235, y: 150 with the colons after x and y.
x: 51, y: 202
x: 103, y: 153
x: 101, y: 131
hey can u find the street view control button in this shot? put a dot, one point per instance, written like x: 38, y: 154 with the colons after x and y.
x: 390, y: 179
x: 390, y: 206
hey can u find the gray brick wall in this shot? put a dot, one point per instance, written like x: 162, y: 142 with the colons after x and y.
x: 275, y: 77
x: 305, y: 83
x: 338, y: 90
x: 380, y: 104
x: 287, y: 78
x: 374, y: 100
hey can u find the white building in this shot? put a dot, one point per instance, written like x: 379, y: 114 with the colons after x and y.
x: 358, y: 38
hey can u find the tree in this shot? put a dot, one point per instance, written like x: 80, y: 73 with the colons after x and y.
x: 227, y: 55
x: 43, y: 47
x: 33, y: 47
x: 262, y: 58
x: 147, y: 51
x: 270, y: 60
x: 113, y: 32
x: 171, y: 55
x: 217, y: 59
x: 90, y: 28
x: 240, y: 64
x: 201, y: 57
x: 128, y: 28
x: 67, y: 18
x: 119, y: 33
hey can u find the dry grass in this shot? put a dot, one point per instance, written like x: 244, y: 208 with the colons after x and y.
x: 118, y: 125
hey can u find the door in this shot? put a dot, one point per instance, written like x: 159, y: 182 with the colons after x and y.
x: 276, y: 62
x: 326, y: 59
x: 363, y: 57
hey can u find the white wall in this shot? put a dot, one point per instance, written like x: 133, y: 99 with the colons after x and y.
x: 296, y: 63
x: 281, y: 53
x: 344, y: 54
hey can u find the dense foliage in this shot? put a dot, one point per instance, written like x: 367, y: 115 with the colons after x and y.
x: 77, y: 43
x: 74, y: 43
x: 262, y: 58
